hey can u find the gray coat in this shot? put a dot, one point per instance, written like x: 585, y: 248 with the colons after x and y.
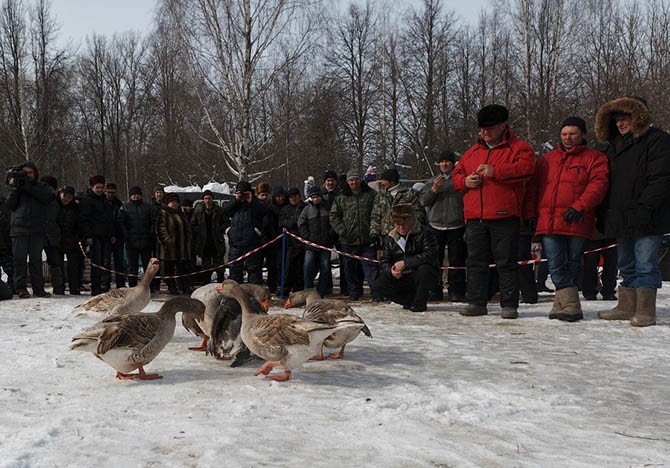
x: 445, y: 208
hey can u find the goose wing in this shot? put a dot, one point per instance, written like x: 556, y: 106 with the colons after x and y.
x: 128, y: 331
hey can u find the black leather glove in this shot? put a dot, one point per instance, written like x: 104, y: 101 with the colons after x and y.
x: 572, y: 216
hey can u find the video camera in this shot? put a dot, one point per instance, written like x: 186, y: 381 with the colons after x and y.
x: 15, y: 176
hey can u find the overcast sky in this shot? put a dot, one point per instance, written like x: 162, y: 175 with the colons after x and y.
x: 79, y: 18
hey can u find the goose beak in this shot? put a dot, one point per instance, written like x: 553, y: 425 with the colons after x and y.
x: 265, y: 305
x: 287, y: 304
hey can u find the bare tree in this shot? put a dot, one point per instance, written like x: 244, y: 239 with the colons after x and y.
x: 352, y: 62
x: 13, y: 79
x: 233, y: 46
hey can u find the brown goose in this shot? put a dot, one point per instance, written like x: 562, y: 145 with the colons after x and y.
x: 131, y: 341
x: 282, y: 340
x: 125, y: 300
x: 329, y: 311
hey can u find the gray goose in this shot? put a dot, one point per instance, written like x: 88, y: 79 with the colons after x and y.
x: 131, y: 341
x: 283, y: 340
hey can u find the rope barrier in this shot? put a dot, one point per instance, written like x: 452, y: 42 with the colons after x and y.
x: 306, y: 242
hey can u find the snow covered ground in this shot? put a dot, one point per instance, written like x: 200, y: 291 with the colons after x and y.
x: 433, y: 389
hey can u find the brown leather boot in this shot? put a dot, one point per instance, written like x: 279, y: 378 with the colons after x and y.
x: 625, y: 308
x: 572, y: 308
x: 645, y: 311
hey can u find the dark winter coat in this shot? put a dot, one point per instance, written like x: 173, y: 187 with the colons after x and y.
x: 174, y: 234
x: 246, y: 223
x: 5, y: 221
x: 70, y: 226
x: 420, y: 248
x: 116, y: 216
x: 97, y: 215
x: 328, y: 197
x: 350, y: 215
x: 138, y: 220
x: 29, y: 206
x: 314, y: 226
x: 288, y: 219
x: 576, y: 178
x: 499, y: 196
x: 638, y: 200
x: 54, y: 221
x: 219, y: 224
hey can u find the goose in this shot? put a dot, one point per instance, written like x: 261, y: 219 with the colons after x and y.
x: 330, y: 311
x: 282, y: 340
x: 227, y: 312
x: 131, y: 341
x: 125, y: 300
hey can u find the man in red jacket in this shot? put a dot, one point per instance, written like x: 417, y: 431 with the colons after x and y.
x: 572, y: 181
x: 492, y: 174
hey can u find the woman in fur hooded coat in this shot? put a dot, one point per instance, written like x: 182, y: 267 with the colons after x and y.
x: 637, y: 208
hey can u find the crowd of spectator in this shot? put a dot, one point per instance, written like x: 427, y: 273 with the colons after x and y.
x: 487, y: 208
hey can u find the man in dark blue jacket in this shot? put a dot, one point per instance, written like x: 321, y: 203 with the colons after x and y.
x: 137, y: 219
x: 246, y: 215
x: 98, y: 228
x: 28, y: 201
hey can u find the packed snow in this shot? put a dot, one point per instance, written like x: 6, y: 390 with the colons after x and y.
x: 431, y: 389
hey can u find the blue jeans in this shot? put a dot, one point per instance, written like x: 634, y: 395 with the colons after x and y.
x: 564, y: 255
x: 638, y: 261
x: 318, y: 260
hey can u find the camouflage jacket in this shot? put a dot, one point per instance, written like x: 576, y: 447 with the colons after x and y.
x: 350, y: 215
x: 380, y: 222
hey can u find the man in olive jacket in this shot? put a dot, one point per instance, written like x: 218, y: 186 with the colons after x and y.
x: 636, y: 210
x: 409, y: 261
x: 350, y: 218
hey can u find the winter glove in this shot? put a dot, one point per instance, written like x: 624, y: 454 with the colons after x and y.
x: 572, y: 216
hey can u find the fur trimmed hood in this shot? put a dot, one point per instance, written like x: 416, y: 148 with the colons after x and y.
x: 605, y: 128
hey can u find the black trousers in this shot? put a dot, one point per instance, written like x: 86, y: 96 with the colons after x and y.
x: 410, y: 289
x: 182, y: 267
x: 28, y: 249
x: 116, y: 254
x: 134, y: 256
x: 75, y: 262
x: 590, y: 268
x: 457, y: 253
x: 100, y: 278
x: 496, y: 239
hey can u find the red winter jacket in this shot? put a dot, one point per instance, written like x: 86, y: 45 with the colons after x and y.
x: 575, y: 178
x: 500, y: 196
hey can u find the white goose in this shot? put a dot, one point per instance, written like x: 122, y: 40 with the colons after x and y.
x: 282, y: 340
x: 131, y: 341
x: 329, y: 311
x: 125, y: 300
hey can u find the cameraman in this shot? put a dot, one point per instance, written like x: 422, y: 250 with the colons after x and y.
x: 28, y: 201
